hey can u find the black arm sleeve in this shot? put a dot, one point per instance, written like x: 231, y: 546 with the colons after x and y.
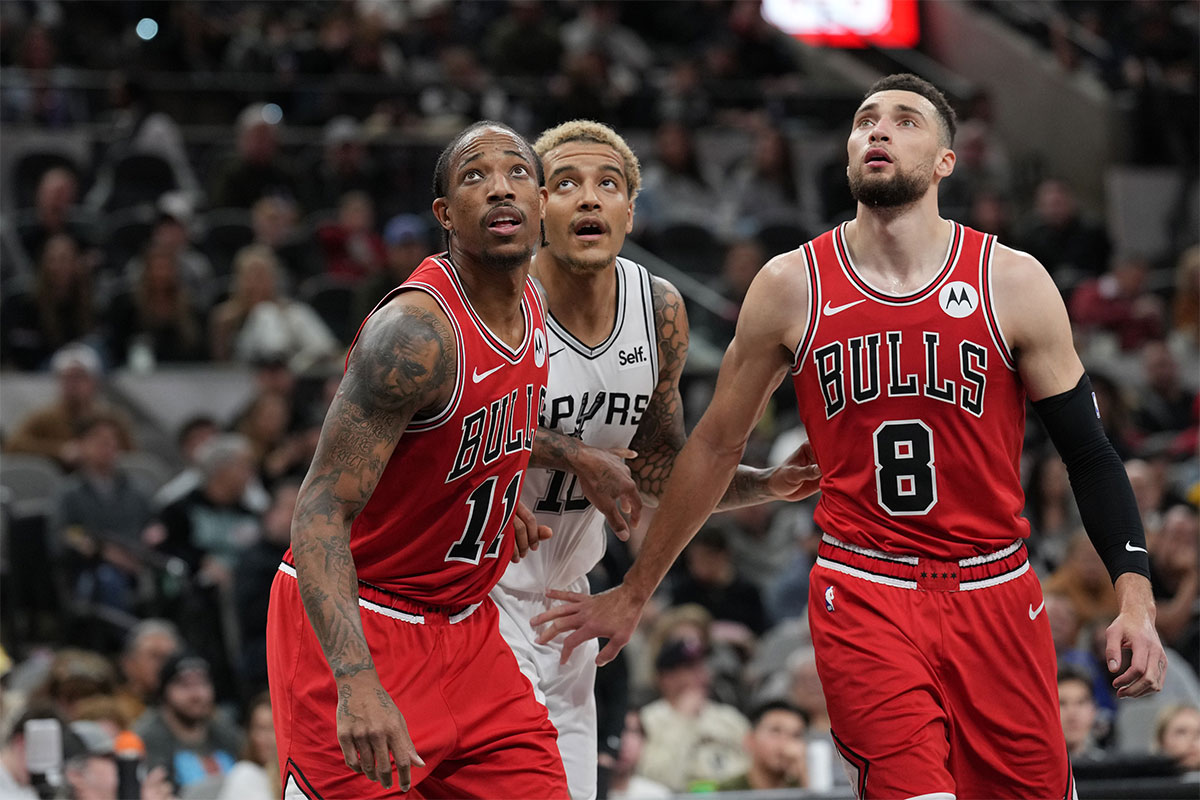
x: 1098, y: 480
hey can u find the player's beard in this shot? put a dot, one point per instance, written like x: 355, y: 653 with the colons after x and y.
x: 506, y: 262
x: 902, y: 189
x: 593, y: 263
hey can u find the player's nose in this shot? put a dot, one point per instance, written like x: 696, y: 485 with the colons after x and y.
x: 500, y: 187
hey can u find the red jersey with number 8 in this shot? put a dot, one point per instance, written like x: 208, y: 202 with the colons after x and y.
x: 437, y: 530
x: 913, y: 405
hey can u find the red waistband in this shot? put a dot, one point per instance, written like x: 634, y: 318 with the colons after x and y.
x: 918, y: 572
x: 376, y: 598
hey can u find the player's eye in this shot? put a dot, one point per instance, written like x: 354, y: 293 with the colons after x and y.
x: 865, y: 122
x: 609, y: 183
x: 520, y: 170
x: 566, y: 183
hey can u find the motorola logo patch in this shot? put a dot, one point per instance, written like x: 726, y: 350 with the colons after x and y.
x: 958, y: 299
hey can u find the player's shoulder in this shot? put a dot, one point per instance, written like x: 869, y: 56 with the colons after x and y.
x: 411, y: 316
x: 1014, y: 270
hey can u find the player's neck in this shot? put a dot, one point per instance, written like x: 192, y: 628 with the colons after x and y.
x: 495, y: 295
x: 899, y: 250
x: 583, y: 302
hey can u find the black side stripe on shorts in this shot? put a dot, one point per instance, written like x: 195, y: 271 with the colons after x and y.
x: 1069, y: 794
x: 295, y: 770
x: 859, y: 762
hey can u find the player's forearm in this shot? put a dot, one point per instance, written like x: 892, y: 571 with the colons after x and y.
x: 748, y: 488
x: 1134, y: 595
x: 554, y: 450
x: 328, y: 582
x: 700, y: 475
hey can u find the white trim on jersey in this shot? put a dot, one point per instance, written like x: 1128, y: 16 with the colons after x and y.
x: 866, y: 551
x: 949, y: 263
x: 513, y: 356
x: 990, y: 317
x: 988, y: 558
x: 579, y: 347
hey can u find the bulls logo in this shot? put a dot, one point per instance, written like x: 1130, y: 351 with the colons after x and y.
x: 539, y: 347
x: 958, y: 299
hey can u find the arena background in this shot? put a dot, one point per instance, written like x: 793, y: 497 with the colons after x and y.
x: 146, y: 145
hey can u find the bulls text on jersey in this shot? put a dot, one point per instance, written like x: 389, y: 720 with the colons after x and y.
x: 854, y: 370
x: 618, y: 408
x: 492, y: 430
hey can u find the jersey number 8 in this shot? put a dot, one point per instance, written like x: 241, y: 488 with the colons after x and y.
x: 905, y: 480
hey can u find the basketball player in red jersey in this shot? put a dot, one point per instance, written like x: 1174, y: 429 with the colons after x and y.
x: 384, y: 652
x: 913, y: 343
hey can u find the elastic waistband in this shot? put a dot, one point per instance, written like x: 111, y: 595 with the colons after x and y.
x: 390, y: 604
x: 916, y: 572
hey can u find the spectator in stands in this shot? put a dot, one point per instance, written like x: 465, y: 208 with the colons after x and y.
x: 1164, y: 406
x: 981, y: 166
x: 743, y: 259
x: 673, y: 187
x: 598, y: 28
x: 1058, y: 236
x: 58, y: 310
x: 1051, y: 510
x: 256, y: 774
x: 148, y: 645
x: 761, y: 187
x: 776, y: 748
x: 712, y: 582
x: 74, y: 675
x: 624, y: 781
x: 352, y: 248
x: 100, y: 519
x: 991, y: 212
x: 193, y: 434
x: 279, y: 453
x: 89, y: 769
x: 256, y: 170
x: 1184, y: 338
x: 1116, y: 417
x: 1177, y: 734
x: 15, y: 783
x: 157, y: 316
x: 1118, y: 304
x: 209, y: 527
x: 50, y: 431
x: 345, y: 166
x: 524, y: 42
x: 172, y: 233
x: 1174, y: 568
x: 761, y: 52
x: 184, y: 731
x: 34, y: 90
x: 684, y: 95
x: 259, y: 321
x: 1077, y: 708
x: 406, y: 238
x: 690, y: 739
x: 274, y: 220
x: 256, y: 569
x: 1083, y: 578
x: 55, y: 212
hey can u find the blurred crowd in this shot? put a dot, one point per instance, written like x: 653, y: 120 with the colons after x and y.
x: 135, y: 592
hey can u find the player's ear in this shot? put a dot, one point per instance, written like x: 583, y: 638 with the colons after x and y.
x: 441, y: 212
x: 945, y: 164
x: 629, y: 219
x: 543, y: 198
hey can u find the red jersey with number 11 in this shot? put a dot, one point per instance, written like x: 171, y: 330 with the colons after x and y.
x: 438, y: 527
x: 913, y: 405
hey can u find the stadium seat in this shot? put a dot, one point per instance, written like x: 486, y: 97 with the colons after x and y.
x: 146, y: 469
x: 333, y: 300
x: 691, y: 248
x: 781, y: 237
x: 227, y: 230
x: 139, y: 178
x: 126, y: 234
x: 32, y: 482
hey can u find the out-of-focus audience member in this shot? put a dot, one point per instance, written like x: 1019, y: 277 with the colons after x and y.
x: 690, y: 739
x: 99, y: 519
x: 762, y: 187
x: 1177, y: 734
x: 776, y: 748
x: 406, y: 238
x: 256, y: 774
x: 1077, y: 708
x: 1051, y: 510
x: 184, y: 731
x: 148, y: 645
x: 156, y: 317
x: 1149, y: 491
x: 1174, y: 568
x: 1058, y: 235
x: 674, y: 189
x: 624, y: 781
x: 59, y: 309
x: 1184, y: 338
x: 15, y: 782
x: 1164, y: 405
x: 256, y: 569
x: 193, y: 434
x: 74, y: 675
x: 278, y: 453
x: 1117, y: 304
x: 352, y: 248
x: 51, y: 431
x: 345, y: 166
x: 711, y: 581
x: 256, y: 170
x: 259, y: 320
x: 55, y: 213
x: 172, y: 233
x: 1082, y: 577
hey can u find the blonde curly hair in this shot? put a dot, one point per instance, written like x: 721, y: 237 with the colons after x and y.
x: 586, y: 130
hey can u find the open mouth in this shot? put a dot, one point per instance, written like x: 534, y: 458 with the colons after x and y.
x: 503, y: 221
x: 877, y: 157
x: 590, y: 229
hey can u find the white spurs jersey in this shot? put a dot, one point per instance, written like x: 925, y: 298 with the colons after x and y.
x: 597, y: 394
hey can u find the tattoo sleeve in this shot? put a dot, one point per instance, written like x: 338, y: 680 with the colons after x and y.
x: 660, y: 435
x: 553, y: 449
x: 404, y: 363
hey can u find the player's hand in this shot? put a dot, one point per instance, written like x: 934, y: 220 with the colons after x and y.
x: 527, y: 534
x: 611, y: 615
x: 606, y: 482
x: 796, y: 478
x: 1131, y: 645
x: 370, y: 727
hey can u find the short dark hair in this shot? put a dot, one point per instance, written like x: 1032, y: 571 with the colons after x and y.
x: 1071, y: 672
x: 907, y: 82
x: 441, y: 173
x: 761, y: 710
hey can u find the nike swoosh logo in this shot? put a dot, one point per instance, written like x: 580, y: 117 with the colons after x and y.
x: 1033, y: 613
x: 1131, y: 547
x: 556, y: 352
x: 477, y: 376
x: 831, y: 310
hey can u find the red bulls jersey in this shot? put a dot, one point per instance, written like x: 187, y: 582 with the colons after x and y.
x: 438, y: 527
x: 913, y: 405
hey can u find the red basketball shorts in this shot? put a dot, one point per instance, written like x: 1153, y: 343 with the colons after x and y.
x: 470, y: 712
x: 939, y: 677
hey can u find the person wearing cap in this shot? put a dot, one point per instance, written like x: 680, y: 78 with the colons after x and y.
x: 51, y: 430
x: 690, y: 739
x: 406, y: 242
x: 185, y: 732
x: 255, y: 170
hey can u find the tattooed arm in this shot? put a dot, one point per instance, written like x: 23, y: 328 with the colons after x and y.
x: 660, y: 435
x: 404, y: 363
x: 603, y: 475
